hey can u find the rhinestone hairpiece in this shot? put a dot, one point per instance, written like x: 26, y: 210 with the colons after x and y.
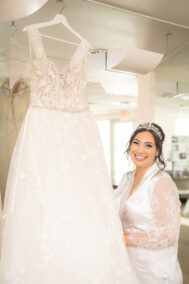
x: 151, y: 127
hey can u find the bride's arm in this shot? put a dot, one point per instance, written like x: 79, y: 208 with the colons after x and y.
x: 166, y: 209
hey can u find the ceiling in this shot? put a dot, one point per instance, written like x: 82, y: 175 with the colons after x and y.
x: 159, y: 26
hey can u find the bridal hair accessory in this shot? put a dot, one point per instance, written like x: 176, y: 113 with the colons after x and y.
x: 152, y: 127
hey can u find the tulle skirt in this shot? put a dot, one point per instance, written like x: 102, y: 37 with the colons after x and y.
x: 60, y: 223
x: 12, y: 112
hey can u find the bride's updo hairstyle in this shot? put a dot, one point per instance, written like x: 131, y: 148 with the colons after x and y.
x: 159, y: 138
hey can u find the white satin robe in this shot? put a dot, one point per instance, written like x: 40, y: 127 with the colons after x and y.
x: 151, y: 217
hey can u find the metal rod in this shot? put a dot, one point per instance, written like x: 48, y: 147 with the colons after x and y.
x: 135, y: 13
x: 165, y: 58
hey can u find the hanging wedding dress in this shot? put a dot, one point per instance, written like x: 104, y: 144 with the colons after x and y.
x: 60, y: 220
x: 13, y: 106
x: 6, y: 131
x: 5, y: 104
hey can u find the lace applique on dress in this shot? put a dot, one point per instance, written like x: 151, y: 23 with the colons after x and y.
x: 51, y: 90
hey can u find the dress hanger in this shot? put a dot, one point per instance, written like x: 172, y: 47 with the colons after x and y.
x: 58, y: 39
x: 58, y: 19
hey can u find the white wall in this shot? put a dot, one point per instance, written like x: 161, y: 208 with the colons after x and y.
x: 166, y: 117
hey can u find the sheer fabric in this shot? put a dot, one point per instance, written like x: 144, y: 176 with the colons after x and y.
x: 13, y: 107
x: 150, y: 218
x: 166, y: 211
x: 60, y: 219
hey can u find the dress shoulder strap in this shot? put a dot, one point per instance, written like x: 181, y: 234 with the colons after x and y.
x: 36, y: 44
x: 80, y: 54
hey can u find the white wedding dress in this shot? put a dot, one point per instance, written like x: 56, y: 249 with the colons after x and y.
x: 61, y: 225
x: 13, y: 106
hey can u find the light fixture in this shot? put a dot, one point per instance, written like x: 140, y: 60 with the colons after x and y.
x: 183, y: 96
x: 121, y: 67
x: 171, y: 89
x: 97, y: 59
x: 12, y: 10
x: 182, y: 90
x: 113, y: 82
x: 164, y: 88
x: 133, y: 61
x: 119, y: 84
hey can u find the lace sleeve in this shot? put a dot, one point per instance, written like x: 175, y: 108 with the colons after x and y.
x: 166, y: 208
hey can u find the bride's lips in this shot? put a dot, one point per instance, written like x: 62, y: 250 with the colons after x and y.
x: 140, y: 158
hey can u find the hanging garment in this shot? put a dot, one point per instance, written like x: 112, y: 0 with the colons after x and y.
x: 4, y: 146
x: 13, y: 106
x: 60, y: 218
x: 150, y: 217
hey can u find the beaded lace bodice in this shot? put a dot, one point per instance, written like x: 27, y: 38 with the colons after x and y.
x: 63, y: 91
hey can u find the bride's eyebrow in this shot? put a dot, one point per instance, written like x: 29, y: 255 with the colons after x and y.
x: 149, y: 143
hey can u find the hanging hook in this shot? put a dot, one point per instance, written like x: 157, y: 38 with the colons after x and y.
x: 63, y: 5
x: 13, y: 27
x: 167, y: 35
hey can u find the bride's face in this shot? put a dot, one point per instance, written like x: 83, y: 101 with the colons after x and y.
x: 143, y: 150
